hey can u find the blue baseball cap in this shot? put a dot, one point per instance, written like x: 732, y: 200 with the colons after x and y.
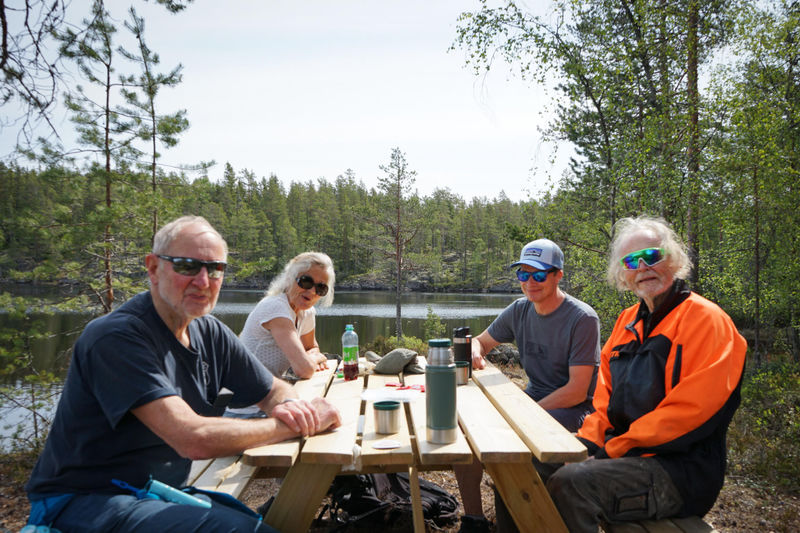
x: 542, y: 254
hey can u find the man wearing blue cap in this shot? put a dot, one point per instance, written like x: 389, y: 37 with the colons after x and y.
x: 558, y: 338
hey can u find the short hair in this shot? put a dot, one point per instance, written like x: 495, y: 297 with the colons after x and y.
x: 674, y: 248
x: 164, y: 237
x: 296, y: 266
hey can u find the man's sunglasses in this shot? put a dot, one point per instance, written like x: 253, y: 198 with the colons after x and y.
x: 305, y: 282
x: 186, y: 266
x: 650, y: 256
x: 539, y: 276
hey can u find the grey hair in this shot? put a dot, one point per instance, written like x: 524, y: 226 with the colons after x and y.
x: 164, y: 237
x: 297, y: 266
x: 674, y: 248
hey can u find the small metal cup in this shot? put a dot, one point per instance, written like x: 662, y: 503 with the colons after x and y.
x: 387, y: 416
x: 462, y: 372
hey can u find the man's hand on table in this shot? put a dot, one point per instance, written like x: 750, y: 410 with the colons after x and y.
x: 308, y: 418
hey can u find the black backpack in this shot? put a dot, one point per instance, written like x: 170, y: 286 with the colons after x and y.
x: 385, y: 499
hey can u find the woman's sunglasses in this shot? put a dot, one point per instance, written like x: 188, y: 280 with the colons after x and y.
x: 305, y: 282
x: 650, y: 256
x: 539, y: 276
x: 187, y: 266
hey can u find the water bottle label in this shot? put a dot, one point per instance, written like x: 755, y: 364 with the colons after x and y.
x: 350, y: 354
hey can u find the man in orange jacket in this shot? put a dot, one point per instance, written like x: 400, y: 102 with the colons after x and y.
x: 669, y: 384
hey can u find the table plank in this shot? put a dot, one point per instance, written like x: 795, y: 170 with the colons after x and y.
x: 457, y: 452
x: 316, y: 385
x: 546, y: 438
x: 492, y: 439
x: 370, y: 456
x: 285, y: 453
x: 336, y: 447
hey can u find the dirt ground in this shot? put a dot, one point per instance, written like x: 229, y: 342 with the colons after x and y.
x: 741, y: 506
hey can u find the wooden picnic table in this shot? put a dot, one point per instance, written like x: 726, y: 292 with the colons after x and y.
x: 500, y: 426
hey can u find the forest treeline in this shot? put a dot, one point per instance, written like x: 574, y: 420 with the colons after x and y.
x: 53, y: 224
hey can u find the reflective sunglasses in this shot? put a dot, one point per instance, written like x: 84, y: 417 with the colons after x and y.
x: 305, y: 282
x: 650, y: 256
x: 539, y: 276
x: 187, y: 266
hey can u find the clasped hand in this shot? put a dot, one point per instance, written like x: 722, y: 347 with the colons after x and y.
x: 308, y: 418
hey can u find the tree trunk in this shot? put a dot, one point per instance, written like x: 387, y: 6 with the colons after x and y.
x: 756, y: 208
x: 109, y: 297
x: 693, y: 164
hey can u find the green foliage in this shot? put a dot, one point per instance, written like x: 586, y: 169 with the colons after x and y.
x: 764, y: 437
x: 382, y: 345
x: 434, y: 328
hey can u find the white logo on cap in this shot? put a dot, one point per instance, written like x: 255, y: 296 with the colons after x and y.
x: 535, y: 252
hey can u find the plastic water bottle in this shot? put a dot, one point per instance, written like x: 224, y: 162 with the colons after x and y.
x: 350, y: 353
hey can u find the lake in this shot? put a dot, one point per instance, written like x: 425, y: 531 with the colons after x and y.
x: 372, y: 313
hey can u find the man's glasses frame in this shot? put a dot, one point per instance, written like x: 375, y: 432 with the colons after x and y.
x: 539, y: 276
x: 305, y: 282
x: 189, y: 266
x: 650, y: 256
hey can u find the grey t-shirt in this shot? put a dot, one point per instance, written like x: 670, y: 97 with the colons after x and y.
x: 549, y: 344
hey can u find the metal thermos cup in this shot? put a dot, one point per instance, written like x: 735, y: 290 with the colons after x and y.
x: 462, y: 346
x: 440, y: 393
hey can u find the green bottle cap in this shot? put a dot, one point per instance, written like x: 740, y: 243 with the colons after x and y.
x: 439, y: 343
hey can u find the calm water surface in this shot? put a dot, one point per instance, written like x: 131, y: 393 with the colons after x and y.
x: 371, y: 312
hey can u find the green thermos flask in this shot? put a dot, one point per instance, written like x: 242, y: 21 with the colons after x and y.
x: 440, y: 393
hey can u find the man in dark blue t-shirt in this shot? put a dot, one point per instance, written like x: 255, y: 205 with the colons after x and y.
x: 141, y: 400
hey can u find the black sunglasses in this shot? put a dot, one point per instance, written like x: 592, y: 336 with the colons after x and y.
x: 187, y: 266
x: 305, y: 282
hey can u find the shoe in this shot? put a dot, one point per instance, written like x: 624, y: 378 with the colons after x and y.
x: 474, y: 524
x: 264, y: 507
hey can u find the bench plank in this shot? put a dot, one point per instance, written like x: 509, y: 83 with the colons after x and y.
x: 198, y: 467
x: 690, y: 524
x: 223, y: 474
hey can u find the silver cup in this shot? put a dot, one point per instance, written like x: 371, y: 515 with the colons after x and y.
x: 462, y: 372
x: 387, y: 416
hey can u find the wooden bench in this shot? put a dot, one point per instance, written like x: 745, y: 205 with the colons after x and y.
x: 690, y: 524
x: 224, y: 474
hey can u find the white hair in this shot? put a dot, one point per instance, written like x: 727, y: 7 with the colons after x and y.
x: 675, y: 250
x: 297, y: 266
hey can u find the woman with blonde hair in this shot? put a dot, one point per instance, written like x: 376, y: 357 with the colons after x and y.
x: 280, y: 331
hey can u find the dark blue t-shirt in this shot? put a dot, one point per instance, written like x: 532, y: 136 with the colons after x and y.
x: 124, y: 360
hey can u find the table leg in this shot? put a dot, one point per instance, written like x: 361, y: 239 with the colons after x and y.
x: 299, y: 497
x: 416, y: 500
x: 526, y: 497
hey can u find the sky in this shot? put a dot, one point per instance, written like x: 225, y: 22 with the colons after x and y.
x: 307, y: 89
